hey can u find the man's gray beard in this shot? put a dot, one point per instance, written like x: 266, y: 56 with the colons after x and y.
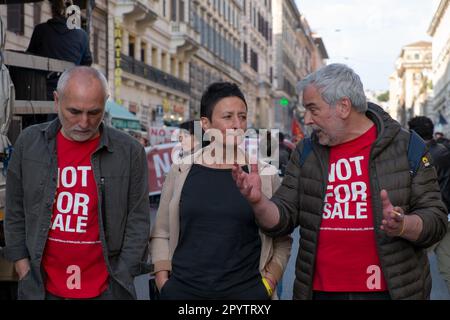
x: 309, y: 130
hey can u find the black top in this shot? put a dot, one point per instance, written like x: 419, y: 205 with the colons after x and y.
x: 219, y: 246
x: 53, y: 39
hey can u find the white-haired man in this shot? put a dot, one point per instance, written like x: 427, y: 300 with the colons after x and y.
x: 365, y: 220
x: 77, y: 212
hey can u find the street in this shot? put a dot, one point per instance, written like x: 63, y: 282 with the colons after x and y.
x: 438, y: 292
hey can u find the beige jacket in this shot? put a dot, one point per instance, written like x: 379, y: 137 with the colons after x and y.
x: 164, y: 235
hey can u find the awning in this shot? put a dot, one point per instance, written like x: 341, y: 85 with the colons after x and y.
x: 120, y: 117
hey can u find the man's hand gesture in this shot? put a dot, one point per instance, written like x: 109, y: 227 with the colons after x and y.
x: 249, y: 184
x: 393, y: 217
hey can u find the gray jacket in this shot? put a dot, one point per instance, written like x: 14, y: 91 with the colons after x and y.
x: 300, y: 200
x: 120, y: 171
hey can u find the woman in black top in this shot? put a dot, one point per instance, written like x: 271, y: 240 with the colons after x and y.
x: 205, y: 243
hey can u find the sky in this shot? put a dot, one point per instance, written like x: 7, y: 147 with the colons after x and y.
x: 368, y: 35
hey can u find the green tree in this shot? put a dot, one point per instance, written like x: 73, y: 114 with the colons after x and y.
x: 384, y: 97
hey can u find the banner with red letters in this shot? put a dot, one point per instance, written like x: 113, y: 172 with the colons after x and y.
x: 159, y: 160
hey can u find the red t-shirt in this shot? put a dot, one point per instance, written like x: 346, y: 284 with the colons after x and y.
x: 347, y: 259
x: 73, y: 258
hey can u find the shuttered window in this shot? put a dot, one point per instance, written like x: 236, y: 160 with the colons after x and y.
x: 15, y: 18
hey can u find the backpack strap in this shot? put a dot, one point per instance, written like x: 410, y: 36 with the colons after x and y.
x: 416, y: 150
x: 307, y: 148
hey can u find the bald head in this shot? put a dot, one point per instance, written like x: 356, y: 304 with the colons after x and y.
x: 80, y: 102
x: 83, y: 76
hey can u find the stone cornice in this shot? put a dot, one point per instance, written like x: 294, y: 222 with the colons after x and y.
x: 443, y: 5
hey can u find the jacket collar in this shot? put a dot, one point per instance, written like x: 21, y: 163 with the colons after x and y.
x: 51, y: 129
x: 387, y: 128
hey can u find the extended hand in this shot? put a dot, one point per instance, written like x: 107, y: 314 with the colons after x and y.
x: 393, y: 222
x: 249, y: 184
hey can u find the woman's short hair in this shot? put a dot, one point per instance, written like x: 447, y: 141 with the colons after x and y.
x: 216, y: 92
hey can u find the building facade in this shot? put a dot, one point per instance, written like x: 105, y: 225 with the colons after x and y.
x: 439, y: 31
x: 297, y: 52
x: 410, y: 85
x: 160, y: 55
x: 153, y: 42
x: 256, y: 63
x: 218, y: 57
x: 20, y: 20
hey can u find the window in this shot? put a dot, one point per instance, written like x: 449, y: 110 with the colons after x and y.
x: 181, y: 13
x: 37, y: 10
x: 164, y: 8
x: 180, y: 70
x: 173, y: 66
x: 164, y: 62
x: 216, y: 42
x: 245, y: 52
x: 202, y: 31
x: 211, y: 38
x: 95, y: 43
x: 131, y: 46
x: 221, y: 46
x: 155, y: 57
x: 15, y: 18
x: 143, y: 51
x: 208, y: 39
x: 173, y: 10
x: 254, y: 60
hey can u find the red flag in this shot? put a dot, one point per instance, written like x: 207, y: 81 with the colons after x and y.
x: 296, y: 130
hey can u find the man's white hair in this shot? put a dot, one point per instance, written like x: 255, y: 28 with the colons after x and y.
x: 86, y: 71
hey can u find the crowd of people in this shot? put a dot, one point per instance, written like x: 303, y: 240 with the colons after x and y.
x: 367, y: 214
x: 370, y: 198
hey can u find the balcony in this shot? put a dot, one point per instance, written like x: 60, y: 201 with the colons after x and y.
x: 134, y: 11
x: 145, y: 71
x: 28, y: 73
x: 185, y: 41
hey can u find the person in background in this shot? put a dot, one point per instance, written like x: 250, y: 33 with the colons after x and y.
x: 53, y: 39
x: 440, y: 157
x: 440, y: 138
x: 205, y: 243
x: 77, y: 216
x: 186, y: 136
